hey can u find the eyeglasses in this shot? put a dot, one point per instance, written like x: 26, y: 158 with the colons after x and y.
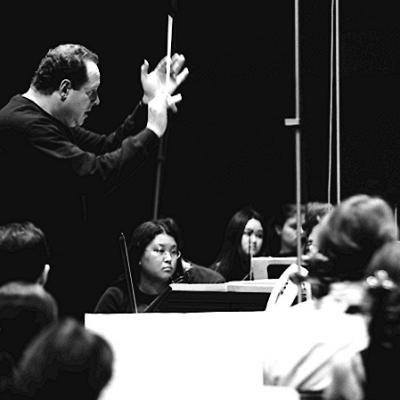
x: 92, y: 95
x: 162, y: 252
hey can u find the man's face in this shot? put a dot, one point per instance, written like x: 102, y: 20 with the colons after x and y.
x: 79, y: 102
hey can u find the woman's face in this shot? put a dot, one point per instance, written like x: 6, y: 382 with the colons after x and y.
x: 288, y: 234
x: 252, y: 237
x: 158, y: 262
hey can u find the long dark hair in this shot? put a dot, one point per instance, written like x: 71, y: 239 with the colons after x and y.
x: 230, y: 262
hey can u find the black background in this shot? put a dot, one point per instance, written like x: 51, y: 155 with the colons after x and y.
x: 227, y: 146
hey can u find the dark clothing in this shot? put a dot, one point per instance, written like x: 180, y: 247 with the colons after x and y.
x: 194, y: 273
x: 232, y: 271
x: 48, y: 172
x: 116, y: 299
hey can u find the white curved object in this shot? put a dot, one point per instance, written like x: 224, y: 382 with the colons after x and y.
x: 285, y: 291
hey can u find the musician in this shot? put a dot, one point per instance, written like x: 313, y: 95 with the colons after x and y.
x: 370, y: 372
x: 65, y: 360
x: 347, y: 239
x: 281, y: 233
x: 314, y: 213
x: 244, y: 236
x: 50, y: 164
x: 155, y: 261
x: 24, y: 253
x: 26, y: 309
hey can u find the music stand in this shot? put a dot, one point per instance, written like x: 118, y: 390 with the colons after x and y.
x: 270, y: 267
x: 229, y: 296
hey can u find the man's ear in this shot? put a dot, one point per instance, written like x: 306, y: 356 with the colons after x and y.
x: 278, y: 230
x: 43, y: 276
x: 64, y: 89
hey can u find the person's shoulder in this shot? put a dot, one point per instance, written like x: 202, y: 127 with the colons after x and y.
x: 200, y: 274
x: 112, y: 301
x: 15, y: 104
x: 13, y: 101
x: 8, y: 110
x: 21, y: 113
x: 113, y: 293
x: 215, y: 265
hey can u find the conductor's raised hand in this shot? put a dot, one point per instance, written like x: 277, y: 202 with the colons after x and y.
x: 157, y: 118
x: 155, y: 81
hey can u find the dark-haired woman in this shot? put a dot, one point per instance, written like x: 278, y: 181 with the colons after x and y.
x: 244, y: 238
x: 155, y: 259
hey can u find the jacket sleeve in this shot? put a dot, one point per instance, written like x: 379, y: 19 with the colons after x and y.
x: 100, y: 143
x: 94, y: 172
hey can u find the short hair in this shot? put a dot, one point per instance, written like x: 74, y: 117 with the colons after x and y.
x: 23, y: 252
x: 25, y: 310
x: 348, y: 237
x: 66, y: 61
x: 142, y: 237
x: 66, y: 358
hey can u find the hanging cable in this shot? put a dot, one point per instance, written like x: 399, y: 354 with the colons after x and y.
x: 329, y: 195
x: 295, y: 122
x: 338, y: 173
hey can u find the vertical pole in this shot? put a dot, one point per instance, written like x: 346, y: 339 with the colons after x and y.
x: 338, y: 173
x: 298, y: 138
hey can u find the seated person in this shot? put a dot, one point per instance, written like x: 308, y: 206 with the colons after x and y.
x: 25, y: 310
x: 65, y: 361
x: 155, y: 261
x: 244, y: 238
x: 314, y: 213
x: 372, y: 372
x: 24, y: 254
x: 303, y: 339
x: 281, y: 235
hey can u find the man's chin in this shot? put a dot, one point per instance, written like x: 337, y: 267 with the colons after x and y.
x: 81, y: 120
x: 79, y: 123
